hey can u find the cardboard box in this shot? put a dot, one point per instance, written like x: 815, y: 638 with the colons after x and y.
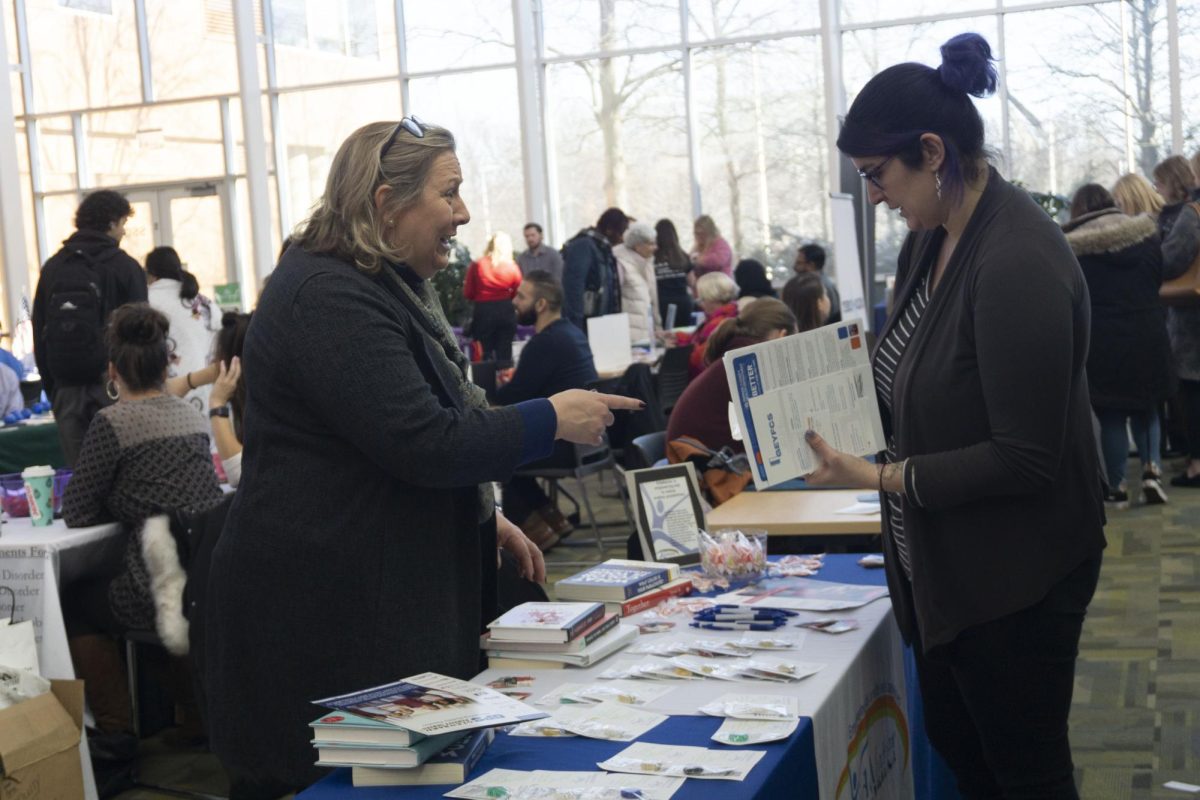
x: 39, y: 746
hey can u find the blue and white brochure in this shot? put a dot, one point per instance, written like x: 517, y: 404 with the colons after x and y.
x: 819, y: 380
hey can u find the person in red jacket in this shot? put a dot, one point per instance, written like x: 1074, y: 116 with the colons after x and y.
x: 490, y: 284
x: 717, y: 295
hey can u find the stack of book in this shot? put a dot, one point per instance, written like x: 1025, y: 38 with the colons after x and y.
x: 385, y: 755
x: 427, y: 729
x: 625, y: 587
x: 554, y: 635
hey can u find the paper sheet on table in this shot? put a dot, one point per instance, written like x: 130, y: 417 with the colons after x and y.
x: 607, y: 720
x: 744, y: 732
x: 763, y: 707
x: 819, y: 380
x: 521, y: 783
x: 804, y: 594
x: 860, y: 508
x: 679, y: 760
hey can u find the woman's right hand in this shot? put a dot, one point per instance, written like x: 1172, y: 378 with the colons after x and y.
x: 226, y: 383
x: 583, y: 415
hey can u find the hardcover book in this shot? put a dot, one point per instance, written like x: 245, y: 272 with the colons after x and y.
x: 452, y: 765
x: 576, y: 645
x: 612, y: 581
x: 330, y: 754
x: 346, y: 728
x: 546, y: 622
x: 606, y: 645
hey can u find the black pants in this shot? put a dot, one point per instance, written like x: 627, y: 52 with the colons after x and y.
x: 74, y: 407
x: 493, y: 325
x: 523, y: 495
x: 1189, y: 401
x: 998, y: 697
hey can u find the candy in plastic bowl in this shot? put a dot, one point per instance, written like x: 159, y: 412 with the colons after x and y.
x: 12, y: 495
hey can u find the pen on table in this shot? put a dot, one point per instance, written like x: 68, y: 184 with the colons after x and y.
x: 787, y: 612
x: 725, y: 616
x: 737, y: 626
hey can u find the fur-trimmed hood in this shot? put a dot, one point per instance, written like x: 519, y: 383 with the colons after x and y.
x: 1108, y: 231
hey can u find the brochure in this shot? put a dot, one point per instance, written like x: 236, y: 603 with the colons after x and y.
x: 819, y: 380
x: 641, y: 758
x: 804, y: 594
x: 431, y: 704
x: 761, y: 707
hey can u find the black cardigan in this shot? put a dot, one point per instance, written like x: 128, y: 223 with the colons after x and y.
x: 990, y: 404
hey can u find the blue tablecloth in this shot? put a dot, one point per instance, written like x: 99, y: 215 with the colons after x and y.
x: 788, y: 770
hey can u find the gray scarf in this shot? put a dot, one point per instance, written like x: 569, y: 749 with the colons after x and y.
x: 433, y: 320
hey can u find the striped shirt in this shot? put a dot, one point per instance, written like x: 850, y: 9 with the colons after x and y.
x: 888, y: 355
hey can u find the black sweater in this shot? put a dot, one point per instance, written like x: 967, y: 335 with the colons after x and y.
x: 557, y: 358
x: 991, y: 407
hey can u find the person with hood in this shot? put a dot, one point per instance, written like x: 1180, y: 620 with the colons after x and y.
x: 1129, y: 357
x: 80, y: 286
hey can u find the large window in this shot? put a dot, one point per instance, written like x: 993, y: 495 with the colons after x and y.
x: 763, y: 146
x: 320, y: 41
x: 619, y: 136
x: 482, y: 33
x: 589, y: 26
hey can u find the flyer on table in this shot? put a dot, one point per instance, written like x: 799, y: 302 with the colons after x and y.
x: 430, y: 703
x: 819, y: 380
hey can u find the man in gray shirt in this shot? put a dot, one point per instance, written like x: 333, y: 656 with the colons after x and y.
x: 539, y: 256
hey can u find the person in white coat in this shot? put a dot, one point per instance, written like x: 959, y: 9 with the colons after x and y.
x: 176, y: 293
x: 639, y: 286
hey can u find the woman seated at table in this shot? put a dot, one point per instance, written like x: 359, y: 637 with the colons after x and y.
x: 144, y: 455
x: 805, y: 295
x: 717, y: 294
x: 702, y: 411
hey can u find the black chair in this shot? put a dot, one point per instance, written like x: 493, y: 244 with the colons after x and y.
x: 646, y: 450
x: 483, y: 375
x: 672, y: 377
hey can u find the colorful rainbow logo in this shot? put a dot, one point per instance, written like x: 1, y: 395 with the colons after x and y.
x: 884, y: 707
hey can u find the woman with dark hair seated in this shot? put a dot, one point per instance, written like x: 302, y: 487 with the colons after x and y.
x: 701, y: 412
x: 145, y: 455
x: 807, y: 298
x: 1129, y: 359
x: 753, y: 283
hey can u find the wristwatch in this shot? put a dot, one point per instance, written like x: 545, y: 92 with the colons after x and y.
x: 223, y: 411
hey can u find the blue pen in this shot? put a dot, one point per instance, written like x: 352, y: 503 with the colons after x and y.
x: 722, y: 617
x: 737, y: 626
x: 787, y: 612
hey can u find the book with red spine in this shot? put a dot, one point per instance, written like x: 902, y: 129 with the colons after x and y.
x: 679, y: 587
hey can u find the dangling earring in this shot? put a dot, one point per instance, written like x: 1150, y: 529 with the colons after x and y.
x: 937, y: 183
x: 111, y: 390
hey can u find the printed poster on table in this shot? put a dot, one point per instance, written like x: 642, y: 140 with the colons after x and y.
x: 668, y: 512
x: 431, y: 704
x: 819, y: 380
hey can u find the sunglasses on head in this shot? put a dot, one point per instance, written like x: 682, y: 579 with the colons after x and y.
x: 412, y: 124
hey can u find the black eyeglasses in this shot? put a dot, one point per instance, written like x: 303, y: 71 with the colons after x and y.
x: 873, y: 174
x: 412, y: 124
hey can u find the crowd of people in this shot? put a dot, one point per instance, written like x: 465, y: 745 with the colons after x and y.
x: 364, y: 456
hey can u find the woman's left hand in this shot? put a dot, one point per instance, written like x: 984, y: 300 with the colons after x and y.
x: 529, y: 558
x: 836, y: 468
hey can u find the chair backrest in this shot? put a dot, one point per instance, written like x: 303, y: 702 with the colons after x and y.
x: 483, y: 375
x: 646, y: 450
x: 672, y: 376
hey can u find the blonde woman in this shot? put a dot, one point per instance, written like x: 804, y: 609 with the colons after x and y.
x: 1134, y: 195
x: 491, y: 284
x: 362, y: 541
x: 710, y: 253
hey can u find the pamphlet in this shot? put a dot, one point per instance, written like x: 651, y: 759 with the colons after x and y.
x: 642, y: 758
x: 741, y: 731
x: 761, y: 707
x: 512, y: 784
x: 818, y: 380
x: 607, y: 720
x: 804, y: 594
x: 431, y: 704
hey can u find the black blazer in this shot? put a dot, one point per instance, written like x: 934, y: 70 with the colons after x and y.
x: 990, y: 404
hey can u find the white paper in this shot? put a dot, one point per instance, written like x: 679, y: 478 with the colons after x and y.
x: 606, y: 720
x: 1180, y: 786
x: 819, y: 380
x: 760, y: 707
x: 608, y: 337
x: 631, y: 693
x: 860, y: 509
x: 563, y: 694
x: 804, y: 594
x: 738, y: 732
x: 540, y: 727
x: 520, y: 784
x: 689, y: 762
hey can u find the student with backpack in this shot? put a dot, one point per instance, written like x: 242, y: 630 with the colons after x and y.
x: 79, y: 288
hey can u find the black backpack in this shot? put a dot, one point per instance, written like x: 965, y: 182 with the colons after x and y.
x: 75, y: 316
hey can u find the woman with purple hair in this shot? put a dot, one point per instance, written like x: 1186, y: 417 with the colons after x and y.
x: 990, y: 483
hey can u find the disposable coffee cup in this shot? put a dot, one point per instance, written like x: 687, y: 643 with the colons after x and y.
x: 39, y: 491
